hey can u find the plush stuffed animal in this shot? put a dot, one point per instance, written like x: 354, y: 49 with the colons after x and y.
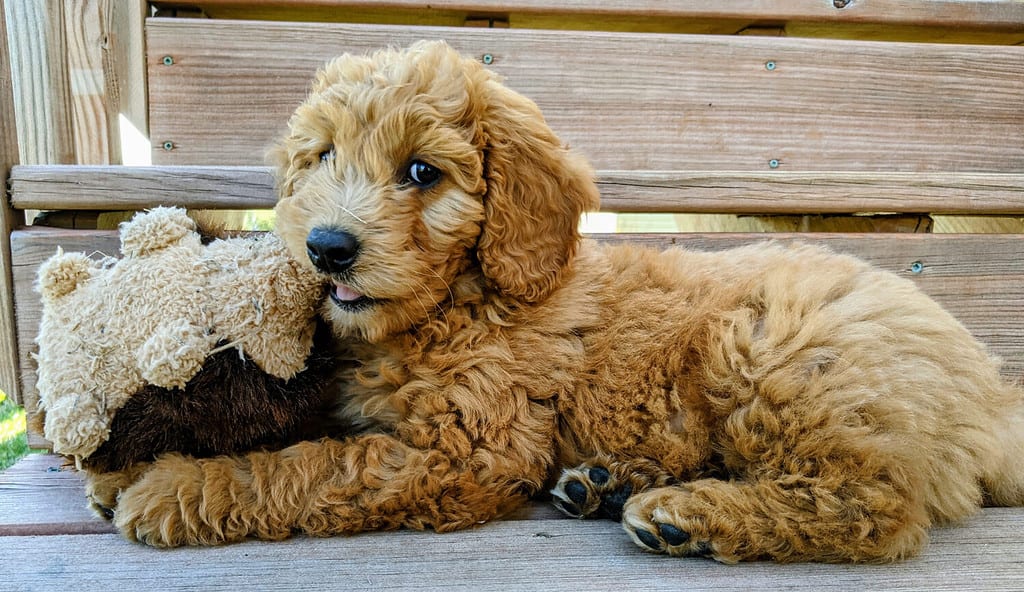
x: 179, y: 345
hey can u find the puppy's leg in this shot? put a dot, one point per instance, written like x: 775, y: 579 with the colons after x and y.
x: 600, y: 487
x: 783, y: 519
x: 372, y: 482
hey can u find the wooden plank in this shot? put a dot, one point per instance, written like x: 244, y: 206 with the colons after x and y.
x: 42, y: 515
x: 136, y: 188
x: 734, y: 192
x: 91, y: 122
x: 78, y: 66
x: 124, y: 66
x: 650, y: 102
x: 9, y: 381
x: 978, y: 278
x: 557, y: 554
x: 998, y: 14
x: 42, y: 494
x: 106, y: 65
x: 40, y: 78
x: 681, y: 23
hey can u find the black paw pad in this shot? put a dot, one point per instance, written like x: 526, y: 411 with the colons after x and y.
x: 576, y: 491
x: 648, y: 539
x: 612, y: 502
x: 569, y: 508
x: 672, y: 535
x: 599, y: 475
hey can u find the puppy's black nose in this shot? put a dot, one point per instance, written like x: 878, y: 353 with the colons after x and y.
x: 331, y: 250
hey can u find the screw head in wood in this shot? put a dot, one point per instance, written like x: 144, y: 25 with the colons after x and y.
x: 488, y: 59
x: 168, y: 61
x: 773, y: 163
x: 769, y: 66
x: 168, y: 145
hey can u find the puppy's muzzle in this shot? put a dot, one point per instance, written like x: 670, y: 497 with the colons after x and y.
x: 331, y: 250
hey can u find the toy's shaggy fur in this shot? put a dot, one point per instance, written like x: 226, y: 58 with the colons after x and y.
x: 773, y: 402
x: 110, y: 328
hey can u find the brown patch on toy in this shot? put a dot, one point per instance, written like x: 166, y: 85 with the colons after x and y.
x: 230, y: 406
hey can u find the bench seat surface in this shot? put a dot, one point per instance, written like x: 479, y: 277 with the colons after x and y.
x: 63, y: 546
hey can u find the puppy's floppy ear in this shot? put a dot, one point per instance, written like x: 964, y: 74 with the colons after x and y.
x: 536, y: 192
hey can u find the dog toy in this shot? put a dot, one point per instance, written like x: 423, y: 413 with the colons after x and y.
x: 178, y: 345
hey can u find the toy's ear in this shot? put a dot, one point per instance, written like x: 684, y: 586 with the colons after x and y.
x: 536, y: 192
x: 173, y: 354
x: 61, y: 274
x: 154, y: 230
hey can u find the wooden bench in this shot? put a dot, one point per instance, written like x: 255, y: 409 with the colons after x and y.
x: 891, y: 129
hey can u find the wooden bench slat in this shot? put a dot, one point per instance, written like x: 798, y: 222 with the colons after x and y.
x: 536, y: 549
x: 557, y: 554
x: 980, y: 14
x: 978, y: 278
x: 116, y: 187
x: 42, y: 510
x: 723, y: 192
x: 678, y: 102
x: 41, y: 495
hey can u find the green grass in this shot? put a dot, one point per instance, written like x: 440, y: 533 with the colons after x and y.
x: 13, y: 441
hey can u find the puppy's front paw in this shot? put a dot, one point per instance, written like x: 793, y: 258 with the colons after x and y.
x: 671, y: 520
x: 600, y: 489
x: 162, y: 508
x: 590, y: 491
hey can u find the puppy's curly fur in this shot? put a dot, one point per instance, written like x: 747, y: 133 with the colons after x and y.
x: 773, y: 402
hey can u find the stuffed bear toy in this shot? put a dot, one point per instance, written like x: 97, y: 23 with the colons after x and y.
x: 180, y: 345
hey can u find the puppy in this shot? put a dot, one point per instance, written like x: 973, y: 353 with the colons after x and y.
x: 772, y: 402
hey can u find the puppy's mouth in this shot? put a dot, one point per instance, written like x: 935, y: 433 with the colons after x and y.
x: 346, y: 298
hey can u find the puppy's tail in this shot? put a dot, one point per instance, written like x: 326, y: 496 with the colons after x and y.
x: 1004, y: 482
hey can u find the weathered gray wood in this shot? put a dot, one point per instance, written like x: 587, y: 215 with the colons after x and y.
x: 650, y: 102
x: 555, y: 554
x: 141, y: 187
x: 43, y: 495
x: 63, y: 546
x: 9, y: 381
x: 965, y: 13
x: 978, y: 278
x: 730, y: 192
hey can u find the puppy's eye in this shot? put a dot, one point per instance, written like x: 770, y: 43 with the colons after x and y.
x: 327, y: 154
x: 421, y: 175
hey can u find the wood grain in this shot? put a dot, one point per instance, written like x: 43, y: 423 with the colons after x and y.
x: 42, y: 494
x: 136, y: 188
x: 535, y: 550
x: 978, y: 278
x: 9, y: 374
x: 734, y: 192
x: 39, y: 71
x: 94, y: 130
x: 629, y: 101
x: 964, y: 13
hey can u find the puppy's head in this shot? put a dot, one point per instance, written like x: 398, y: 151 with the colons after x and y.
x: 406, y: 170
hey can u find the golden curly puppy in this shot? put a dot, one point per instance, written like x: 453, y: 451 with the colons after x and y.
x: 772, y: 402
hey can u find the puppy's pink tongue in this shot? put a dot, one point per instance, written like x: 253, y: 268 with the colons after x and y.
x: 346, y: 294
